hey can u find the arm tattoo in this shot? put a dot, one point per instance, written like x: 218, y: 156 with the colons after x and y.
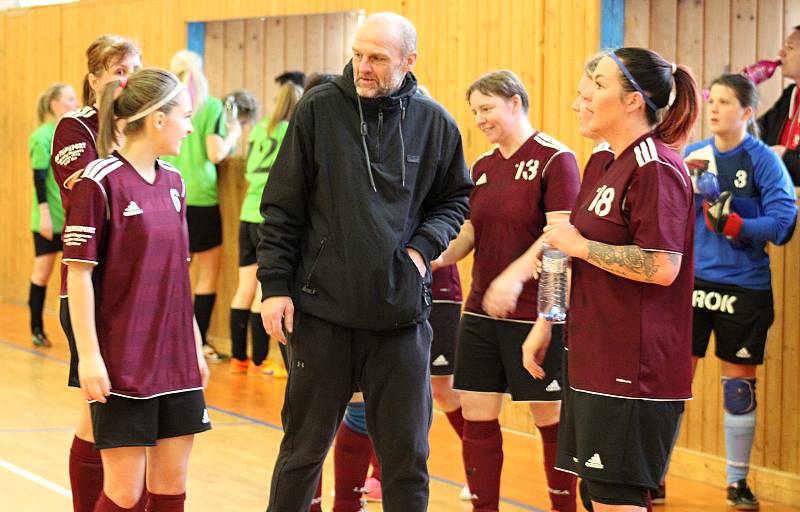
x: 626, y: 260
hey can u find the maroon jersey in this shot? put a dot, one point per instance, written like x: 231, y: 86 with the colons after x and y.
x: 601, y: 159
x: 135, y: 232
x: 73, y: 148
x: 446, y: 285
x: 507, y: 211
x: 627, y: 338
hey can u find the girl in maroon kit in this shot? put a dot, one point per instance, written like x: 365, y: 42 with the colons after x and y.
x: 528, y: 181
x: 126, y: 243
x: 629, y: 325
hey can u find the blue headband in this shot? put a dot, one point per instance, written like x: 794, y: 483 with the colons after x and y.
x: 633, y: 82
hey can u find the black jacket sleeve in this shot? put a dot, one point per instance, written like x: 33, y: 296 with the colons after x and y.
x: 771, y: 125
x: 283, y: 206
x: 447, y: 203
x: 39, y: 183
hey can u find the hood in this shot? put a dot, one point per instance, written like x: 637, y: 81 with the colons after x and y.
x: 407, y: 89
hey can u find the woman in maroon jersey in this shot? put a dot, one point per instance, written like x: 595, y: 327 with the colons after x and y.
x: 529, y: 180
x: 629, y: 326
x: 108, y: 58
x: 141, y: 361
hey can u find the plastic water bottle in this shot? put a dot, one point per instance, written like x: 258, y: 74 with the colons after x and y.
x: 553, y: 285
x: 708, y: 186
x: 761, y: 70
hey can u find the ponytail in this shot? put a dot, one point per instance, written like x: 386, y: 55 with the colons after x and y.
x: 678, y: 121
x: 107, y: 133
x: 88, y: 92
x: 50, y: 94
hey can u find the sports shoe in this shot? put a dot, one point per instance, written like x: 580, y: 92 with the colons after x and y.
x: 740, y: 497
x: 273, y: 369
x: 465, y: 495
x: 39, y: 339
x: 238, y: 366
x: 659, y: 496
x: 212, y: 355
x: 583, y: 489
x: 372, y: 490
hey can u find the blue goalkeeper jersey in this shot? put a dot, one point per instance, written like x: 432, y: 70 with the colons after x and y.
x: 765, y: 199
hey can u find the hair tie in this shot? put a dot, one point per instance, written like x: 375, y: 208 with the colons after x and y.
x: 674, y: 68
x: 123, y: 83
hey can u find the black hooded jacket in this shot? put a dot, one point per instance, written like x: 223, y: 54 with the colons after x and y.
x: 771, y: 126
x: 335, y: 231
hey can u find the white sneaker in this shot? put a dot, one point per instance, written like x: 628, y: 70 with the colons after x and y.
x: 465, y: 495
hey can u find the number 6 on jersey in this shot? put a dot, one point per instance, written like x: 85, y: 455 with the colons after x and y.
x: 601, y: 204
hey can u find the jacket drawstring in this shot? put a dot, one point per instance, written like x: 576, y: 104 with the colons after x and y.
x: 364, y: 143
x: 402, y: 143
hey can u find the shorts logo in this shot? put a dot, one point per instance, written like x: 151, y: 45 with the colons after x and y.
x: 206, y: 419
x: 594, y: 462
x: 714, y: 301
x: 440, y: 361
x: 176, y: 199
x: 743, y: 353
x: 553, y: 387
x: 132, y: 209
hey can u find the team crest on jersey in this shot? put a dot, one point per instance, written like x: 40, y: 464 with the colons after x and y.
x: 176, y: 199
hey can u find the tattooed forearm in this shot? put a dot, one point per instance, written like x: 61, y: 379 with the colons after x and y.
x: 624, y: 260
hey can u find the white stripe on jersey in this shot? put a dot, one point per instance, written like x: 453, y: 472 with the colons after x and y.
x: 76, y: 115
x: 550, y: 142
x: 603, y: 146
x: 169, y: 167
x: 646, y: 152
x: 480, y: 157
x: 97, y: 168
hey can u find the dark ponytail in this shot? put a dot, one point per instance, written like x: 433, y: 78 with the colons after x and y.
x: 674, y: 117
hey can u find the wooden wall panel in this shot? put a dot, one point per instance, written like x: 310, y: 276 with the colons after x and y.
x: 714, y: 37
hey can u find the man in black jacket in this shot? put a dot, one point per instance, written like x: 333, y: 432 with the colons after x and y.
x: 369, y: 186
x: 780, y: 125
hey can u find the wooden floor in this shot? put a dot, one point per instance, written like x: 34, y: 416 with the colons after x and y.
x: 231, y: 465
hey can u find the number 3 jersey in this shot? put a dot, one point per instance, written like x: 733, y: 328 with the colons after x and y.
x: 507, y: 211
x: 628, y: 338
x: 763, y: 196
x: 135, y: 233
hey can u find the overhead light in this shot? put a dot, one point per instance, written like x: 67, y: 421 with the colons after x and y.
x: 23, y: 4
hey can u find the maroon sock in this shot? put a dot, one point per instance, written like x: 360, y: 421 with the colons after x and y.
x: 351, y: 452
x: 165, y: 502
x: 316, y: 503
x: 104, y: 504
x: 560, y: 485
x: 456, y: 421
x: 85, y: 474
x: 376, y: 466
x: 483, y: 460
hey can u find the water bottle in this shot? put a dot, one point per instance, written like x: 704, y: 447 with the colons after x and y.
x: 761, y: 70
x: 708, y: 186
x: 553, y: 285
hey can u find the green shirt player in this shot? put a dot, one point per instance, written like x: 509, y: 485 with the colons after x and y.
x: 47, y: 214
x: 265, y: 140
x: 213, y: 138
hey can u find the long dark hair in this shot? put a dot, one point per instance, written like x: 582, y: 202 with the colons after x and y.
x: 673, y: 120
x: 746, y: 93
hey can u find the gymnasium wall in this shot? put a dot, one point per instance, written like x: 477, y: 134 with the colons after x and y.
x: 713, y: 37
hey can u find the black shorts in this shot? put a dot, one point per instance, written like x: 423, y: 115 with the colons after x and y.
x: 66, y: 326
x: 248, y: 243
x: 205, y: 227
x: 616, y: 494
x: 42, y: 246
x: 141, y: 422
x: 740, y: 319
x: 489, y: 360
x: 616, y: 440
x: 444, y: 319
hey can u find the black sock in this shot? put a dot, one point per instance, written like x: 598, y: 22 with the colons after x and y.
x: 260, y: 338
x: 36, y: 303
x: 239, y: 333
x: 203, y: 306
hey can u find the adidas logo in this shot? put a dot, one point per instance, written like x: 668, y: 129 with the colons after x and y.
x: 440, y: 361
x: 481, y: 180
x: 743, y: 353
x: 132, y: 209
x: 594, y: 462
x: 553, y: 387
x: 206, y: 419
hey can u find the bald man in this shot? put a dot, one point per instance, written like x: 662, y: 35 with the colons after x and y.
x: 370, y: 186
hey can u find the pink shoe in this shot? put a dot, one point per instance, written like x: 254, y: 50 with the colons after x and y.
x: 372, y: 490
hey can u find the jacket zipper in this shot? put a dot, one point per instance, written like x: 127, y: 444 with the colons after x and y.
x: 380, y: 132
x: 307, y: 285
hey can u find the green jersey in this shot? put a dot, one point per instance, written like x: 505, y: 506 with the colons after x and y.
x: 263, y: 150
x: 199, y: 173
x: 39, y: 150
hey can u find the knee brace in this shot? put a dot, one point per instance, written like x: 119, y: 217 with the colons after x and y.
x: 355, y: 417
x: 739, y: 395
